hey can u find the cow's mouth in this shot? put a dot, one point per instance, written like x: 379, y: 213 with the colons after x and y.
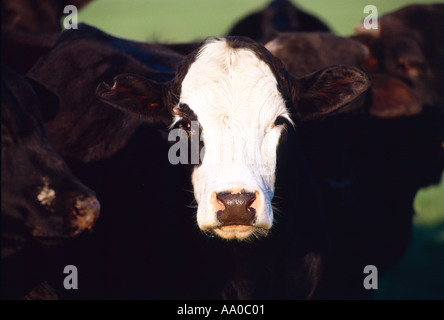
x: 240, y: 232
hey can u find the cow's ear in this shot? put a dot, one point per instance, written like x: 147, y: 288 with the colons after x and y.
x: 136, y: 95
x: 392, y: 98
x: 327, y: 91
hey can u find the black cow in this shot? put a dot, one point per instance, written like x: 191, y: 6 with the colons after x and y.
x: 278, y: 16
x: 30, y: 29
x: 107, y: 56
x: 121, y: 158
x: 21, y: 50
x: 390, y: 96
x: 409, y: 44
x: 369, y: 164
x: 42, y: 202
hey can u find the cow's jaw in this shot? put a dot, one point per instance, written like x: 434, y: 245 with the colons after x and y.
x: 236, y: 99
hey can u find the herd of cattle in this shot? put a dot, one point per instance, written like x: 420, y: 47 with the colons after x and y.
x: 312, y: 145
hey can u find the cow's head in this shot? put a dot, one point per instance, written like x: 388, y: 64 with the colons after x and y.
x: 244, y: 101
x: 409, y: 44
x: 41, y: 198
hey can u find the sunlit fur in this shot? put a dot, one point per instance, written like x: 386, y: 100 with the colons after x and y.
x: 46, y: 195
x: 235, y: 97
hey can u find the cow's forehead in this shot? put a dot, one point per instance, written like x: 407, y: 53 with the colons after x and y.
x: 231, y: 84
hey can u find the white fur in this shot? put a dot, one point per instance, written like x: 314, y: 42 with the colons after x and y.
x: 46, y: 195
x: 235, y: 97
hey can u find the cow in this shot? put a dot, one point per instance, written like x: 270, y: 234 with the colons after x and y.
x: 30, y: 29
x: 324, y: 49
x: 235, y: 201
x: 151, y: 60
x: 43, y: 203
x: 118, y: 156
x: 21, y: 50
x: 245, y: 104
x: 369, y: 163
x: 277, y: 16
x: 409, y: 44
x: 144, y: 196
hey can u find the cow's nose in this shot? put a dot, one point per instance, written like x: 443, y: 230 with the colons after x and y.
x: 86, y: 211
x: 87, y: 206
x: 238, y: 208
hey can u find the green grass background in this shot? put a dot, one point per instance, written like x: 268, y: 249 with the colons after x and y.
x: 420, y: 275
x: 186, y: 20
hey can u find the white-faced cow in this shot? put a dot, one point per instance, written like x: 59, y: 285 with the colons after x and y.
x: 244, y: 102
x: 144, y: 196
x: 246, y: 105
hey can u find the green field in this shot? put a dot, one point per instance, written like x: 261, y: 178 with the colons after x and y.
x: 185, y: 20
x: 421, y: 273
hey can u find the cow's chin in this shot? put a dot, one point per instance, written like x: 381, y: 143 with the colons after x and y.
x: 240, y: 232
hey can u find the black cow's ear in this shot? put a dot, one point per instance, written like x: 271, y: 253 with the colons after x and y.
x: 136, y: 95
x: 327, y: 91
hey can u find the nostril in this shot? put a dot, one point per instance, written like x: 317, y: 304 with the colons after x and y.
x: 236, y: 208
x: 79, y: 208
x: 251, y: 201
x: 83, y: 214
x: 251, y: 210
x: 216, y: 203
x: 86, y: 206
x: 223, y: 198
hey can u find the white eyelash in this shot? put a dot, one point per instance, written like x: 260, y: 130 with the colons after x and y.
x: 176, y: 119
x: 287, y: 116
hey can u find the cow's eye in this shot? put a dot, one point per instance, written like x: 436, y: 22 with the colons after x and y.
x: 280, y: 121
x: 184, y: 124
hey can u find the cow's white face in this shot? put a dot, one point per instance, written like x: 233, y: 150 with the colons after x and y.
x: 235, y: 97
